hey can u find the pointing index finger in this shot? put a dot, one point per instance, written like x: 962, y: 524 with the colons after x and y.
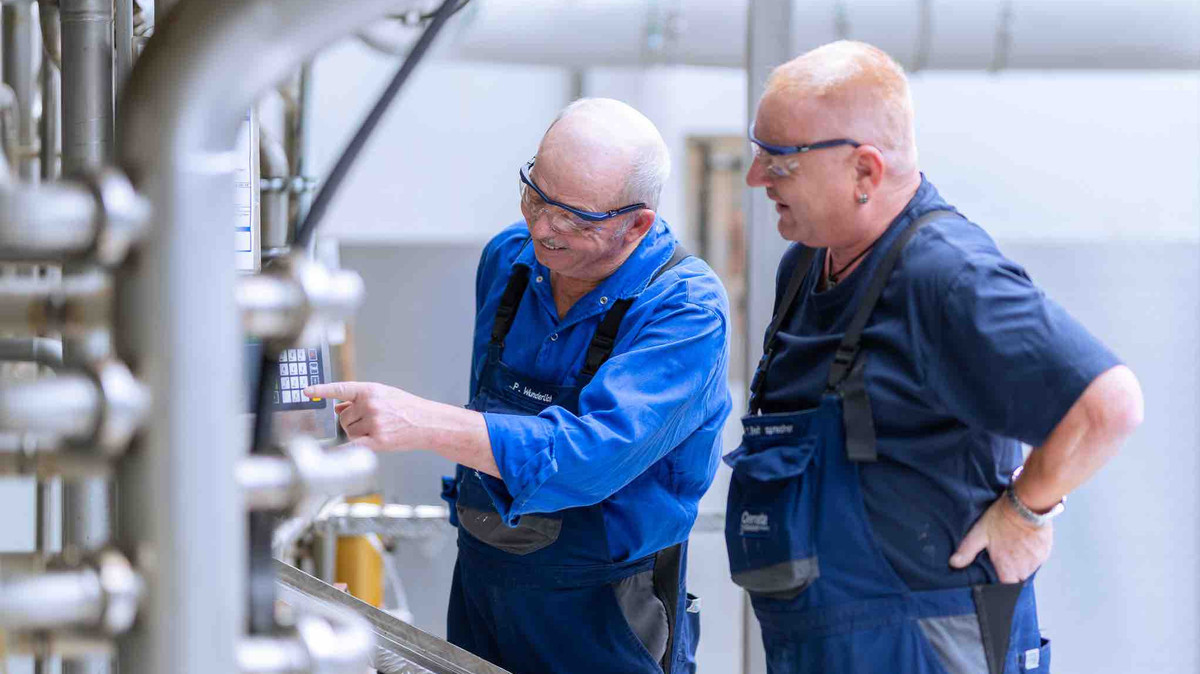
x: 343, y: 390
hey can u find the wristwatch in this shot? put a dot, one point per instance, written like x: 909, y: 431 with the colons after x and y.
x: 1036, y: 519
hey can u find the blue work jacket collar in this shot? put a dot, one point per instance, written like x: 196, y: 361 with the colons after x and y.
x: 629, y: 280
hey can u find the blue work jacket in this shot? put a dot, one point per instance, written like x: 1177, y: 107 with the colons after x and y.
x: 646, y: 440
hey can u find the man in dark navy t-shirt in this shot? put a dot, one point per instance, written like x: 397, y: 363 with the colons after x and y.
x: 897, y: 444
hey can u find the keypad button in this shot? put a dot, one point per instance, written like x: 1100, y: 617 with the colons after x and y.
x: 283, y: 356
x: 276, y: 397
x: 313, y: 381
x: 283, y: 369
x: 312, y: 354
x: 287, y: 397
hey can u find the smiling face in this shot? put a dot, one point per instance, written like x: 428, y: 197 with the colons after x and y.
x: 584, y: 160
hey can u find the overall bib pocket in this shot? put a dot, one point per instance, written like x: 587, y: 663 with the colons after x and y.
x: 475, y: 513
x: 770, y: 513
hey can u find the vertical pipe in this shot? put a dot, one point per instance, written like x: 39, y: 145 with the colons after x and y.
x: 50, y: 121
x: 87, y: 84
x: 18, y: 54
x: 123, y: 43
x: 49, y: 124
x: 87, y: 130
x: 768, y: 44
x: 298, y: 152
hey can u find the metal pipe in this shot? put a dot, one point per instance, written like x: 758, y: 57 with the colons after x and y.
x: 55, y: 644
x: 33, y: 597
x: 41, y: 350
x: 308, y: 471
x: 186, y: 109
x: 276, y: 186
x: 123, y: 43
x: 8, y: 125
x: 76, y: 305
x: 298, y: 151
x: 66, y: 406
x: 296, y: 298
x: 54, y: 463
x: 18, y: 53
x: 99, y: 594
x: 50, y: 122
x: 87, y: 84
x: 950, y: 35
x: 49, y: 222
x: 269, y: 482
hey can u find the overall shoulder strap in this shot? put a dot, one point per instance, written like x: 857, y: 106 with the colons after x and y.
x: 799, y: 273
x: 510, y: 301
x: 846, y: 374
x: 849, y: 347
x: 605, y: 338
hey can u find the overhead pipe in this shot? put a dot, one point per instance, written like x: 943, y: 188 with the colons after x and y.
x: 929, y: 34
x: 180, y: 116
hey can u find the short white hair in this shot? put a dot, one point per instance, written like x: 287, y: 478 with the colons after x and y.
x: 651, y: 165
x: 868, y: 85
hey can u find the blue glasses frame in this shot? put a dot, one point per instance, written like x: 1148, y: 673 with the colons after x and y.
x: 777, y: 150
x: 590, y: 216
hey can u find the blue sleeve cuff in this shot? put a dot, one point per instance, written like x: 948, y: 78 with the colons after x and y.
x: 522, y: 447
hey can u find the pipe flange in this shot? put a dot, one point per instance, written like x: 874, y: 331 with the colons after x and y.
x: 349, y: 470
x: 293, y: 300
x: 331, y: 295
x: 122, y: 588
x: 124, y: 404
x: 124, y: 216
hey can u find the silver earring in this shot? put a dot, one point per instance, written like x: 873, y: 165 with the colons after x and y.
x: 862, y: 198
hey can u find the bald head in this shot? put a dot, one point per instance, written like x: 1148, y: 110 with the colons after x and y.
x: 611, y: 147
x: 854, y: 90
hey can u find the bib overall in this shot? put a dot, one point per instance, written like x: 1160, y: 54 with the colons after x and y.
x: 800, y: 541
x: 547, y: 596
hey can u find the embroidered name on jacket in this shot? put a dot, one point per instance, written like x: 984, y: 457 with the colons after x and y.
x: 777, y: 429
x: 754, y: 524
x: 532, y: 394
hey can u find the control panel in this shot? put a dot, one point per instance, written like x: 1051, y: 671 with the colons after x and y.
x: 298, y: 368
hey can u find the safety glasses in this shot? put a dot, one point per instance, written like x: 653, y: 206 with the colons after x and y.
x: 780, y: 160
x: 535, y: 201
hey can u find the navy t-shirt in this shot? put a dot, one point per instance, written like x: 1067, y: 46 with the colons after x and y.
x: 966, y: 359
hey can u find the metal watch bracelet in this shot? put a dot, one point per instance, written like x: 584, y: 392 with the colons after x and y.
x: 1036, y: 519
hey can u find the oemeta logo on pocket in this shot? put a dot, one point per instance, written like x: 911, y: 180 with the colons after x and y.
x: 755, y: 523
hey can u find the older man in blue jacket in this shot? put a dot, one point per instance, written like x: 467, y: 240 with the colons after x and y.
x: 598, y: 393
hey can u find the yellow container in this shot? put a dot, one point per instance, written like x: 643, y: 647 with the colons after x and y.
x: 359, y: 566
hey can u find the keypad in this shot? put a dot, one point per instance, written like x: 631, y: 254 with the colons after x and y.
x: 298, y: 368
